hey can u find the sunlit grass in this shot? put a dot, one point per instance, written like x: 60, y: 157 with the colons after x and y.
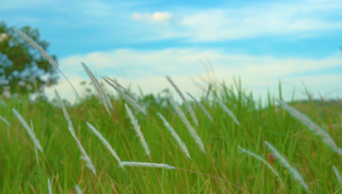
x: 225, y: 169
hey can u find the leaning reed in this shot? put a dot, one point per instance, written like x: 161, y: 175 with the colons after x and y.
x: 287, y: 165
x: 103, y: 97
x: 202, y: 107
x: 129, y: 99
x: 312, y: 126
x: 262, y: 160
x: 29, y: 130
x: 184, y: 100
x: 145, y: 164
x: 226, y: 109
x: 85, y: 156
x: 137, y: 129
x: 175, y: 135
x: 338, y: 176
x: 105, y: 142
x: 49, y: 186
x: 5, y: 121
x: 187, y: 123
x: 78, y: 189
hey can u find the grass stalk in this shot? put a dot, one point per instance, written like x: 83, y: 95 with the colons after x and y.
x: 187, y: 123
x: 262, y: 160
x: 184, y: 100
x: 202, y: 107
x: 85, y: 156
x: 137, y: 129
x: 129, y: 99
x: 338, y: 176
x: 105, y: 142
x: 294, y: 172
x: 311, y: 126
x: 175, y: 135
x: 146, y: 164
x: 103, y: 97
x: 29, y: 130
x: 226, y: 109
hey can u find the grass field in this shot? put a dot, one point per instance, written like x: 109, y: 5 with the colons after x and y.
x: 244, y: 148
x: 223, y: 169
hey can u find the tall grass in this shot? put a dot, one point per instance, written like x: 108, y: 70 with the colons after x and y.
x: 235, y: 172
x: 303, y: 149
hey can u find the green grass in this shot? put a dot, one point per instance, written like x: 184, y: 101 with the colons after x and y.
x: 203, y: 173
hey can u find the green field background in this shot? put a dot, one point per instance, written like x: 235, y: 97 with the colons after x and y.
x: 223, y: 169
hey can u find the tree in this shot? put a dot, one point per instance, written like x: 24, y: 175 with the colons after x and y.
x: 23, y: 70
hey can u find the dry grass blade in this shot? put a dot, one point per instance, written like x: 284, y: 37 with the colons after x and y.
x: 29, y: 130
x: 187, y: 123
x: 129, y: 99
x: 78, y: 189
x: 4, y: 120
x: 286, y: 164
x: 104, y: 98
x: 226, y: 109
x: 105, y: 142
x: 137, y: 129
x: 85, y: 156
x: 339, y: 178
x: 202, y: 107
x: 175, y: 135
x: 262, y: 160
x: 145, y: 164
x: 184, y: 100
x: 312, y: 126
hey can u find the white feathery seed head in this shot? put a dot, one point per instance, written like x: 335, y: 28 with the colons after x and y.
x: 145, y: 164
x: 187, y: 123
x: 29, y: 130
x: 175, y: 135
x: 136, y: 126
x: 295, y: 173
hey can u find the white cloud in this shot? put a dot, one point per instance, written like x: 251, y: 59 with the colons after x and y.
x: 149, y: 68
x: 303, y: 18
x: 161, y: 17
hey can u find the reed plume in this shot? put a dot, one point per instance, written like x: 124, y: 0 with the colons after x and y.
x: 105, y: 142
x: 129, y: 99
x: 78, y: 189
x: 175, y: 135
x: 286, y: 164
x: 85, y: 156
x: 49, y: 186
x: 226, y: 109
x: 145, y: 164
x: 338, y: 176
x: 187, y: 123
x: 103, y: 97
x: 137, y: 129
x: 124, y: 89
x: 262, y: 160
x: 184, y: 100
x: 29, y: 130
x: 312, y: 126
x: 202, y: 107
x: 35, y: 45
x: 5, y: 121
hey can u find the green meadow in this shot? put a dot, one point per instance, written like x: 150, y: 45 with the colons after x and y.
x: 223, y: 168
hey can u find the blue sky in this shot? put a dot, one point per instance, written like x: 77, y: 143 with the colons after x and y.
x: 139, y: 42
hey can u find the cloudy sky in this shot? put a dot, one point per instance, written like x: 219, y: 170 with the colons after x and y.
x: 140, y: 42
